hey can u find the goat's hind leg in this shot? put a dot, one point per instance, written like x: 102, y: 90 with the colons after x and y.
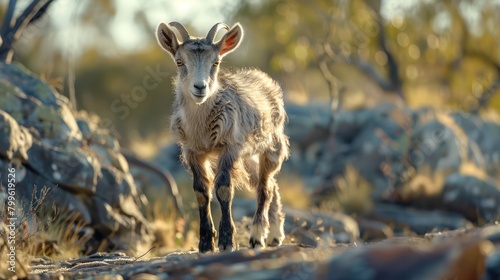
x: 276, y: 219
x: 268, y: 165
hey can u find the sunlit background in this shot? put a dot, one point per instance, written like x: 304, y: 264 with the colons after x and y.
x: 393, y: 120
x: 101, y: 50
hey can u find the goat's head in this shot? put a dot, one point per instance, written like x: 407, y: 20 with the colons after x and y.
x: 198, y: 59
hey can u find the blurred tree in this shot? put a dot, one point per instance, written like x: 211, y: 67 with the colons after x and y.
x: 427, y: 53
x: 12, y: 26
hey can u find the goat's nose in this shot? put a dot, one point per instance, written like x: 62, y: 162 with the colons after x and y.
x: 200, y: 87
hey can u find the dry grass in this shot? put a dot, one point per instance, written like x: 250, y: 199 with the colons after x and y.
x: 353, y: 195
x: 293, y: 192
x: 55, y: 237
x: 148, y: 147
x: 171, y: 232
x: 41, y: 232
x: 61, y: 239
x: 471, y: 169
x: 424, y: 184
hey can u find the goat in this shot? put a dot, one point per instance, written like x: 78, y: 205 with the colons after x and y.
x: 230, y: 123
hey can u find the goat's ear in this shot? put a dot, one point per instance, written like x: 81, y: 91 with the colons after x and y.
x: 167, y: 39
x: 230, y: 40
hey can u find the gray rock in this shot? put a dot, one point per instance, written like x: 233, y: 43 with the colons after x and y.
x: 438, y: 144
x: 485, y: 134
x: 27, y: 83
x: 379, y: 261
x: 493, y: 267
x: 307, y: 227
x: 55, y: 122
x: 374, y: 230
x: 474, y: 198
x: 168, y: 158
x: 105, y: 219
x: 68, y: 166
x: 11, y: 101
x: 114, y: 187
x: 60, y: 157
x: 418, y: 221
x: 38, y: 196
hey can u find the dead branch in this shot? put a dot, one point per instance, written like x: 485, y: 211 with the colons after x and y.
x: 165, y: 176
x: 12, y: 29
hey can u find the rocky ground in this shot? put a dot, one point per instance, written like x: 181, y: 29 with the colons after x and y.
x: 460, y: 254
x: 389, y: 192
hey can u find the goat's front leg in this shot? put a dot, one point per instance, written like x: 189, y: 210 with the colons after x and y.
x: 202, y: 188
x: 224, y: 192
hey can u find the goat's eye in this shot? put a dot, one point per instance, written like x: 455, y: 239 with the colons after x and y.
x: 216, y: 64
x: 179, y: 63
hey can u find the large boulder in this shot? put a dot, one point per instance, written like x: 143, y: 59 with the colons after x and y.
x: 474, y: 198
x: 65, y: 159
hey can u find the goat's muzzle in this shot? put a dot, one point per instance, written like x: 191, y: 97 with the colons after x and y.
x: 199, y: 93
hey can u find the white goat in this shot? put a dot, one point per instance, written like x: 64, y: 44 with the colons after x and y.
x: 230, y: 123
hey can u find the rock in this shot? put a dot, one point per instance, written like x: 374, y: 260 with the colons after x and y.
x: 42, y: 194
x: 374, y: 230
x: 485, y: 134
x: 15, y: 141
x: 68, y: 166
x: 54, y: 121
x: 307, y: 227
x: 116, y: 188
x: 67, y: 160
x: 474, y: 198
x: 332, y: 226
x: 24, y: 81
x: 304, y: 120
x: 490, y: 233
x: 493, y: 267
x: 10, y: 101
x: 418, y: 221
x: 450, y: 261
x: 168, y: 158
x: 442, y: 144
x: 105, y: 219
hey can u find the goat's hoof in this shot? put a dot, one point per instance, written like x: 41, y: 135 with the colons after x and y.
x: 276, y: 235
x: 206, y: 246
x: 226, y: 244
x: 273, y: 242
x: 225, y: 248
x: 256, y: 243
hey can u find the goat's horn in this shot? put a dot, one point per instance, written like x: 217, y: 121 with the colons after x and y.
x: 211, y: 34
x: 182, y: 30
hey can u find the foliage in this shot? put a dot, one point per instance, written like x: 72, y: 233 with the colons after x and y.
x: 432, y: 53
x: 40, y: 233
